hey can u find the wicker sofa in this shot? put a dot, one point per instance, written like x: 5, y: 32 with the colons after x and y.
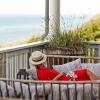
x: 56, y: 90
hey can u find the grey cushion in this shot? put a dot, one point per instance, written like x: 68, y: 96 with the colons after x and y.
x: 32, y: 73
x: 70, y: 66
x: 95, y: 68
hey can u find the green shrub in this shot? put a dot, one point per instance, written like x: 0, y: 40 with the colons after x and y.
x: 91, y: 29
x: 70, y: 40
x: 34, y: 39
x: 73, y: 39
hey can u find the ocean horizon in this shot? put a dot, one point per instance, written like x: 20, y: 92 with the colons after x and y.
x: 22, y: 26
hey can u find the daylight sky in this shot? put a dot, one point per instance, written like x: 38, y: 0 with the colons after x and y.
x: 35, y: 7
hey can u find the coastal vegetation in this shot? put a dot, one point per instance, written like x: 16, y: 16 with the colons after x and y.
x: 30, y: 39
x: 73, y: 39
x: 34, y: 39
x: 89, y: 31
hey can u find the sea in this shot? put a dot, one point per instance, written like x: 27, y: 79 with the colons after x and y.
x: 17, y: 27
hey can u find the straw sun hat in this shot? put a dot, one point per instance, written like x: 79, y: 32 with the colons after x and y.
x: 37, y: 57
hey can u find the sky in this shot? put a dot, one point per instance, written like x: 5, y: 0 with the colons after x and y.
x: 37, y: 7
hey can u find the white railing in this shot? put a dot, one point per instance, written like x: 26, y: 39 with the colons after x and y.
x: 14, y: 58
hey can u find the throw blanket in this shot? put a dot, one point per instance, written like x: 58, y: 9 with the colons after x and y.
x: 4, y: 90
x: 52, y: 92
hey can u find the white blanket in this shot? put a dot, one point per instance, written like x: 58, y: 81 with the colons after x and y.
x: 54, y: 92
x: 88, y: 95
x: 4, y: 90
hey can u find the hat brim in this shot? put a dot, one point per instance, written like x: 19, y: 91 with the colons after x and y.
x: 38, y: 62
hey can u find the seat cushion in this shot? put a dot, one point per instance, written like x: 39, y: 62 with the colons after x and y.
x: 32, y: 73
x: 95, y: 68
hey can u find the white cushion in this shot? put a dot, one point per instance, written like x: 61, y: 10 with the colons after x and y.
x: 70, y: 66
x: 95, y: 68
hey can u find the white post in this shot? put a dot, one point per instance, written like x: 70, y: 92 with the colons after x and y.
x: 54, y: 12
x: 46, y: 16
x: 46, y: 19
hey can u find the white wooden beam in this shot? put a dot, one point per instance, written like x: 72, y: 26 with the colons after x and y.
x: 54, y: 12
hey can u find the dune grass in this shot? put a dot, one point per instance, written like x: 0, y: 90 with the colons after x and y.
x: 90, y: 31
